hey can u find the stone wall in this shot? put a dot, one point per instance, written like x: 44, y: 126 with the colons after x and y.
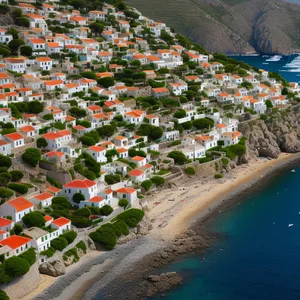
x: 20, y: 287
x: 47, y: 165
x: 208, y: 169
x: 60, y: 176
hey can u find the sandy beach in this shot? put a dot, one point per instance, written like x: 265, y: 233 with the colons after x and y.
x: 172, y: 212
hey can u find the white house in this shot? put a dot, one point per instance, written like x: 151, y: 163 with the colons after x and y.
x: 5, y: 147
x: 15, y: 139
x: 16, y: 208
x: 86, y: 187
x: 15, y: 245
x: 4, y: 37
x: 98, y: 153
x: 62, y: 224
x: 42, y: 200
x: 44, y: 63
x: 58, y: 139
x: 126, y: 193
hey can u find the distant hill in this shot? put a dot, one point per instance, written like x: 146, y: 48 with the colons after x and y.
x: 231, y: 26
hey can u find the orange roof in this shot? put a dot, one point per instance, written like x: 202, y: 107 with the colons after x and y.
x: 43, y: 196
x: 43, y: 59
x: 160, y: 90
x: 122, y: 150
x: 55, y: 153
x: 135, y: 113
x: 96, y: 199
x: 61, y: 221
x: 37, y: 41
x: 48, y: 218
x: 125, y: 190
x: 138, y: 158
x: 153, y: 58
x: 79, y: 127
x: 71, y: 85
x: 135, y: 173
x: 2, y: 142
x: 220, y: 125
x: 97, y: 148
x: 54, y: 135
x: 14, y: 136
x: 15, y: 241
x: 77, y: 183
x: 53, y: 44
x: 94, y: 107
x: 4, y: 222
x: 53, y: 189
x: 20, y: 203
x: 53, y: 82
x: 27, y: 128
x: 77, y: 18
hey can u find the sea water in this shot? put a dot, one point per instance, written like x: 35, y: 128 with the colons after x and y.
x: 287, y: 66
x: 258, y: 254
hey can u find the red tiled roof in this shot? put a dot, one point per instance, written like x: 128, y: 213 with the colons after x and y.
x: 14, y: 136
x: 96, y: 199
x: 15, y: 241
x: 135, y: 173
x: 48, y: 218
x: 86, y: 183
x: 20, y: 203
x: 43, y: 196
x: 61, y: 221
x: 126, y: 190
x: 97, y: 148
x: 4, y: 222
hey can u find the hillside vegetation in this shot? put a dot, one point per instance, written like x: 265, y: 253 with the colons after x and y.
x: 230, y: 26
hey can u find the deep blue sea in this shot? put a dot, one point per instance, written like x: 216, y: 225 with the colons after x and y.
x: 258, y: 258
x: 287, y: 65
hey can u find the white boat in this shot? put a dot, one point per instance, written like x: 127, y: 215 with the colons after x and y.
x: 274, y: 58
x: 265, y: 63
x: 290, y: 225
x: 293, y: 171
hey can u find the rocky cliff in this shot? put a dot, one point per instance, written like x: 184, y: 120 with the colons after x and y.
x: 230, y: 26
x: 280, y: 132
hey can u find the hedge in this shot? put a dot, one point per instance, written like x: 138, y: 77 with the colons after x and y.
x: 16, y: 175
x: 54, y: 182
x: 4, y: 278
x: 106, y: 210
x: 131, y: 216
x: 5, y: 193
x: 18, y: 187
x: 34, y: 218
x: 16, y: 266
x: 81, y: 245
x: 83, y: 212
x: 59, y: 243
x: 104, y: 236
x: 158, y: 180
x: 49, y: 252
x: 70, y: 236
x: 29, y: 256
x: 80, y: 222
x: 3, y: 295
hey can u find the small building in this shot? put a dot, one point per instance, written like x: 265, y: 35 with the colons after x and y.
x: 62, y: 224
x: 15, y: 245
x: 42, y: 200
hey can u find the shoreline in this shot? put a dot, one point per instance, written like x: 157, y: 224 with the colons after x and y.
x: 94, y: 275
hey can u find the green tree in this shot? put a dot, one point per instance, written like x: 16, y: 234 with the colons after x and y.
x: 180, y: 114
x: 32, y: 156
x: 83, y: 212
x: 34, y: 218
x: 5, y: 178
x: 41, y: 142
x: 18, y: 228
x: 106, y: 82
x: 158, y: 180
x: 269, y: 104
x: 146, y: 184
x: 106, y: 130
x: 153, y: 132
x: 26, y: 50
x: 123, y: 203
x: 3, y: 295
x: 203, y: 123
x: 16, y: 175
x: 16, y: 266
x: 106, y: 210
x: 78, y: 197
x: 5, y: 193
x: 178, y: 156
x: 15, y: 44
x: 35, y: 107
x: 5, y: 161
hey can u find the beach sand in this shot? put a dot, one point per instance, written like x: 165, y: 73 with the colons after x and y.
x: 172, y: 212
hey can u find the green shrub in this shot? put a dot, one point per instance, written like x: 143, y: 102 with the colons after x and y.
x: 59, y: 243
x: 4, y: 278
x: 83, y: 212
x: 190, y: 171
x: 5, y: 161
x: 80, y: 222
x: 70, y: 236
x: 54, y: 182
x: 49, y: 252
x: 3, y: 169
x: 104, y: 236
x: 18, y: 228
x: 158, y: 180
x: 29, y: 256
x: 5, y: 178
x: 123, y: 203
x: 121, y: 225
x: 18, y: 187
x: 94, y: 210
x: 16, y: 266
x: 60, y: 203
x: 78, y: 197
x: 224, y: 161
x: 146, y: 184
x: 32, y: 156
x: 81, y: 245
x: 5, y: 193
x: 72, y: 252
x: 16, y: 175
x: 34, y: 218
x: 106, y: 210
x: 131, y: 216
x: 3, y: 295
x: 218, y: 176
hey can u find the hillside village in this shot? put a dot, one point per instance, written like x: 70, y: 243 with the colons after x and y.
x: 99, y: 107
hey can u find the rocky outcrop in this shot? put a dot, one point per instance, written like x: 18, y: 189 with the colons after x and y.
x: 279, y: 133
x: 142, y: 229
x: 162, y: 282
x: 55, y: 268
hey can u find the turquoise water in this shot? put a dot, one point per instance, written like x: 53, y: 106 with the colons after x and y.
x: 258, y: 258
x: 288, y: 66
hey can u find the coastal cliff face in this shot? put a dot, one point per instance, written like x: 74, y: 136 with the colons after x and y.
x: 240, y: 26
x: 279, y: 133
